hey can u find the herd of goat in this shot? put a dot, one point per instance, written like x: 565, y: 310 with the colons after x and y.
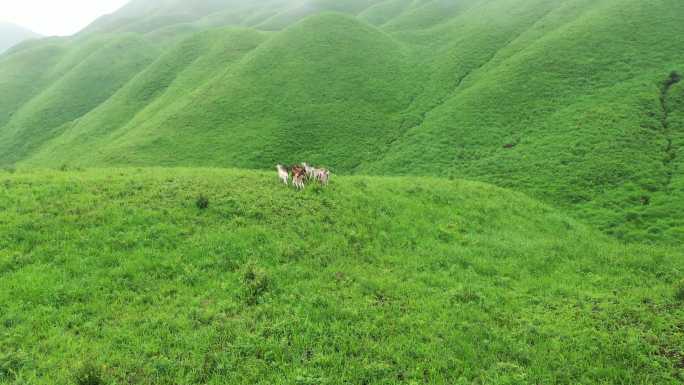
x: 302, y: 173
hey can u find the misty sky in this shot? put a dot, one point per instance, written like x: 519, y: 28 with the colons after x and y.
x: 56, y: 17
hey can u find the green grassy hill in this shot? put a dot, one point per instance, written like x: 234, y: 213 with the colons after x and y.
x: 236, y: 128
x: 77, y: 91
x: 561, y: 100
x: 579, y: 97
x: 117, y: 276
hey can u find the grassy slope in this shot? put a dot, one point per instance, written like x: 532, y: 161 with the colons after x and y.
x: 309, y: 78
x: 385, y: 11
x: 76, y: 92
x: 665, y: 211
x: 579, y: 95
x: 227, y: 116
x: 296, y: 11
x: 608, y: 166
x: 116, y: 273
x: 159, y: 88
x: 434, y: 87
x: 23, y: 75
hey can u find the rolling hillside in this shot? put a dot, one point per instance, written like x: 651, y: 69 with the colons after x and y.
x: 506, y: 207
x: 573, y: 102
x: 11, y: 35
x: 118, y: 276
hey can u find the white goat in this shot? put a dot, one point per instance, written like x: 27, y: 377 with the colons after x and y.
x: 322, y: 175
x: 283, y: 174
x: 309, y: 170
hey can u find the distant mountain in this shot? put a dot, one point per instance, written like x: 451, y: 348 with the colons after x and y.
x: 576, y: 102
x: 11, y: 35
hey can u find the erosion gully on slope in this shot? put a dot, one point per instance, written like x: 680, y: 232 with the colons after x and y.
x: 670, y: 151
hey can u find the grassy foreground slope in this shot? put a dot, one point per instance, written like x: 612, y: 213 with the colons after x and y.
x: 116, y: 276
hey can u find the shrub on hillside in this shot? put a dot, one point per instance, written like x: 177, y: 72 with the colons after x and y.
x: 202, y: 202
x: 88, y: 374
x: 466, y: 296
x: 11, y: 363
x: 679, y: 291
x: 255, y: 283
x: 673, y: 79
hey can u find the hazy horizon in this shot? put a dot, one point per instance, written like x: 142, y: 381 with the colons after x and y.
x: 51, y: 18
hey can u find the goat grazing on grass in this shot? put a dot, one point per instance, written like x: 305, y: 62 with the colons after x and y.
x: 322, y: 175
x: 302, y: 173
x: 283, y: 174
x: 298, y: 176
x: 310, y: 171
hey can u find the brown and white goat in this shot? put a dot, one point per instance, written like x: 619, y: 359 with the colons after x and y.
x: 298, y: 176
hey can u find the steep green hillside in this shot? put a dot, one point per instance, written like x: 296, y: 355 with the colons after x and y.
x: 11, y: 35
x: 23, y: 75
x: 578, y: 95
x: 107, y: 67
x: 559, y: 99
x: 116, y: 276
x: 234, y: 117
x: 157, y: 92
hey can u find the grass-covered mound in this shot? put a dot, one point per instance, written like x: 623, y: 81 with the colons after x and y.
x: 127, y: 276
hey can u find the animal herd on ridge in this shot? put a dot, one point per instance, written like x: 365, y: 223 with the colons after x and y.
x: 301, y: 174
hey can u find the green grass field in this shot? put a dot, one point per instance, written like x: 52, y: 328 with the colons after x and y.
x: 117, y: 277
x: 507, y: 203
